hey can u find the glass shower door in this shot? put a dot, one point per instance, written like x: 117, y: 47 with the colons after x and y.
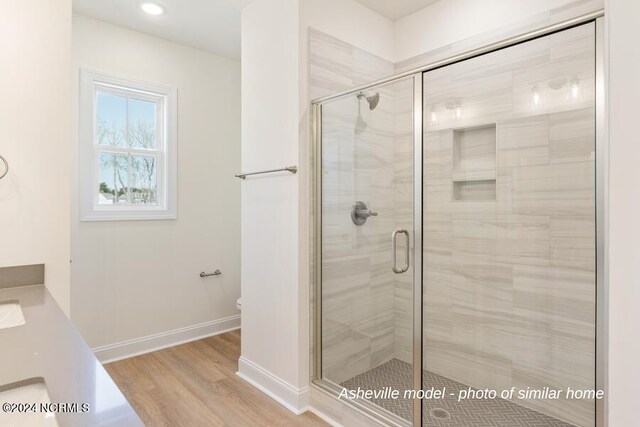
x: 509, y: 233
x: 366, y: 294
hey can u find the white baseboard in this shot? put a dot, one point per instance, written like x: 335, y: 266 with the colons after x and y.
x: 137, y: 346
x: 294, y: 399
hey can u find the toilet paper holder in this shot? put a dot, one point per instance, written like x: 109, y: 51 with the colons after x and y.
x: 215, y: 273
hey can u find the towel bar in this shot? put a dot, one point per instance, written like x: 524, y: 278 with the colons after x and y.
x: 292, y: 169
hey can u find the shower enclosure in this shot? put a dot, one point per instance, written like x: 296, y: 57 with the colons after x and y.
x: 459, y: 236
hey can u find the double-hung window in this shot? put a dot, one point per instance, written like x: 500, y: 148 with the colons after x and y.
x: 127, y: 149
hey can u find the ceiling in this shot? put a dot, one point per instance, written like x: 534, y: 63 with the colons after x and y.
x: 396, y: 9
x: 211, y: 25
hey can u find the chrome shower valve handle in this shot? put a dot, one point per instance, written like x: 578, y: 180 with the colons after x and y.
x: 365, y: 213
x: 360, y: 213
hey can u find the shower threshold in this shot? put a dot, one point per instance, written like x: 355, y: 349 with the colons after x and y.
x: 448, y: 411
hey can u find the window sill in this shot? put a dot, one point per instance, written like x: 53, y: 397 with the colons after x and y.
x: 129, y: 216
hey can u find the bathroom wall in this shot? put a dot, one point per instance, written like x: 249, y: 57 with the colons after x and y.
x: 35, y: 129
x: 623, y: 244
x: 274, y: 310
x: 509, y: 262
x: 136, y: 284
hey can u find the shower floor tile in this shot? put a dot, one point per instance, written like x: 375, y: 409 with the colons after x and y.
x: 477, y: 413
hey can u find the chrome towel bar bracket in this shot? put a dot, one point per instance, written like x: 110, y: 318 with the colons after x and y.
x: 6, y: 167
x: 292, y: 169
x: 215, y: 273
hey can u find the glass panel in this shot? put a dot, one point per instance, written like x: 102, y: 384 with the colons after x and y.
x: 144, y: 181
x: 111, y: 119
x: 509, y: 234
x: 142, y: 124
x: 367, y: 158
x: 114, y: 182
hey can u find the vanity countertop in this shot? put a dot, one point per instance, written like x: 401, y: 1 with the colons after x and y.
x: 49, y: 347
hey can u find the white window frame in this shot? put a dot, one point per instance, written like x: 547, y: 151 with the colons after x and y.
x: 92, y: 82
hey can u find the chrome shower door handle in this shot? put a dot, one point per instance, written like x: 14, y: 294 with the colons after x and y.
x: 394, y: 246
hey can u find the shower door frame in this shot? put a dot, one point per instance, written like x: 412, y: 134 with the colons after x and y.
x: 365, y: 407
x: 601, y: 214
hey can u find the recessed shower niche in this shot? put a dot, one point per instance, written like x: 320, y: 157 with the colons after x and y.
x: 474, y: 163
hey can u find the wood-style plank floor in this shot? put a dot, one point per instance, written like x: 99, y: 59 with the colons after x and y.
x: 195, y: 385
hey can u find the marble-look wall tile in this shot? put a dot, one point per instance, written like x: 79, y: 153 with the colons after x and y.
x: 554, y: 189
x: 330, y: 64
x: 335, y: 65
x: 524, y: 142
x: 573, y: 242
x: 571, y: 136
x: 509, y: 283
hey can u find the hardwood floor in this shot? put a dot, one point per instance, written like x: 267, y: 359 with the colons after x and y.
x: 195, y: 384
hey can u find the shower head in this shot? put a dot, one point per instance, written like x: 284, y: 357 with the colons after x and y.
x: 371, y: 100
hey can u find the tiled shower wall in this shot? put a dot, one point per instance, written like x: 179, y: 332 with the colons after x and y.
x: 509, y: 275
x: 358, y: 285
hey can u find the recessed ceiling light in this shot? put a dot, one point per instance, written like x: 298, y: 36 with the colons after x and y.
x: 152, y: 8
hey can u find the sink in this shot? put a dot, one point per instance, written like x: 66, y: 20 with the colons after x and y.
x: 31, y: 391
x: 10, y: 314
